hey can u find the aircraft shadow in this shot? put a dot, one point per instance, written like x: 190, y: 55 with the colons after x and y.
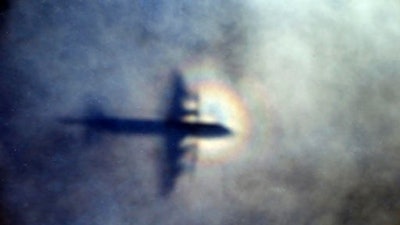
x: 173, y: 129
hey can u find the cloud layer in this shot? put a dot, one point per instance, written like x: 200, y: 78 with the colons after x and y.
x: 320, y: 79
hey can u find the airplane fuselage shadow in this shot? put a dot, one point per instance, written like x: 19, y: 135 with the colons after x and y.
x: 150, y: 127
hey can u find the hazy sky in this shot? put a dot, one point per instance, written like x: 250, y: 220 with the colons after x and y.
x: 318, y: 81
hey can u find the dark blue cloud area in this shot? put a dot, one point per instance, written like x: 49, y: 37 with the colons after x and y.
x: 320, y: 81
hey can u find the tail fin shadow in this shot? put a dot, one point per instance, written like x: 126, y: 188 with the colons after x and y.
x: 94, y: 108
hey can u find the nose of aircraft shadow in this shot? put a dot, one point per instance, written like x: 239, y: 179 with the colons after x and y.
x: 223, y: 131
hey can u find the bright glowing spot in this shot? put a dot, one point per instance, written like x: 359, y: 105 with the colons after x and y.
x: 218, y: 103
